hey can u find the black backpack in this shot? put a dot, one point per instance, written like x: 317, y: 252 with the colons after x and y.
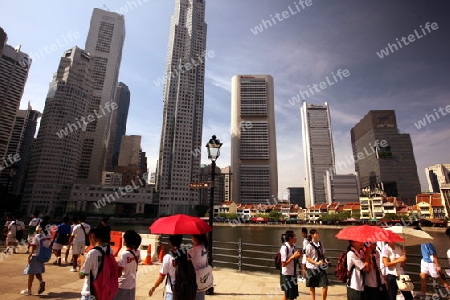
x: 185, y: 287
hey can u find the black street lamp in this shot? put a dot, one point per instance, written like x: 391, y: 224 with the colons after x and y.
x: 213, y: 154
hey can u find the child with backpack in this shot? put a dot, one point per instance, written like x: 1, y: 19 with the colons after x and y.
x: 99, y: 269
x: 62, y: 237
x: 357, y: 263
x: 40, y: 252
x: 128, y: 265
x: 316, y: 266
x: 181, y: 283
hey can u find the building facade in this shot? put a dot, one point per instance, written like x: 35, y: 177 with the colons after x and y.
x: 3, y: 39
x: 183, y: 96
x: 104, y: 43
x: 436, y: 176
x: 226, y: 174
x: 297, y: 196
x: 14, y: 68
x: 341, y: 188
x: 118, y: 125
x: 205, y: 193
x: 58, y: 149
x: 253, y: 139
x: 318, y: 150
x: 384, y: 158
x: 21, y: 142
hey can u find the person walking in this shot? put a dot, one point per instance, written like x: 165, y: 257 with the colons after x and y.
x: 316, y: 266
x: 11, y: 241
x: 374, y: 286
x: 32, y: 225
x: 304, y: 244
x: 128, y: 264
x: 35, y: 267
x: 199, y: 257
x: 289, y: 260
x: 181, y: 283
x: 62, y: 236
x: 393, y: 258
x: 357, y: 263
x: 78, y: 239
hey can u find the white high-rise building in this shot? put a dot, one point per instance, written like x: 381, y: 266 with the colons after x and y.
x: 104, y: 43
x: 253, y: 140
x: 14, y: 67
x: 318, y: 150
x: 181, y: 133
x: 437, y: 175
x: 57, y: 151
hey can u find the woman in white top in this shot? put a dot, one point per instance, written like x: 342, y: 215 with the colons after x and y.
x: 393, y: 258
x: 199, y: 257
x: 374, y: 284
x: 356, y: 264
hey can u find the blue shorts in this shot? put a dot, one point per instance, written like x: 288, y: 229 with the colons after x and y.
x: 34, y: 267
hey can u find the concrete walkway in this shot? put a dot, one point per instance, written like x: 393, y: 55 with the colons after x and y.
x: 62, y: 284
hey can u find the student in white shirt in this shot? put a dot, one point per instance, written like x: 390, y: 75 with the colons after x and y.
x: 393, y: 258
x: 305, y: 243
x: 356, y: 264
x: 78, y: 238
x: 316, y: 266
x: 199, y: 257
x: 128, y: 265
x: 374, y: 284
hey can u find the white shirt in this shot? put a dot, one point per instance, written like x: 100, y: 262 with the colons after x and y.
x: 36, y: 241
x: 289, y: 268
x: 78, y: 233
x: 311, y: 253
x: 199, y: 257
x: 167, y: 268
x: 35, y: 222
x: 371, y: 276
x: 126, y: 261
x: 356, y: 278
x: 392, y: 254
x: 91, y: 263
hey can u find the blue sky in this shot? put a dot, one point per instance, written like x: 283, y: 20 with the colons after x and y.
x: 303, y: 49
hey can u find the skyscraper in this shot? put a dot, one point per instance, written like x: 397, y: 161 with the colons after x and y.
x: 3, y: 38
x: 118, y: 125
x: 181, y: 133
x: 58, y: 148
x: 318, y: 150
x: 21, y: 142
x: 384, y: 157
x: 104, y: 43
x: 14, y: 67
x: 437, y: 175
x: 253, y: 139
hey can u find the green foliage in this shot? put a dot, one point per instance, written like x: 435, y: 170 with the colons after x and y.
x: 262, y: 215
x: 275, y: 215
x: 391, y: 217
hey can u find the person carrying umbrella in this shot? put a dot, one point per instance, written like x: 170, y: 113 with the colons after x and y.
x: 357, y: 263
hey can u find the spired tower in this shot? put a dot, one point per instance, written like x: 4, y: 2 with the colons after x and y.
x: 181, y: 133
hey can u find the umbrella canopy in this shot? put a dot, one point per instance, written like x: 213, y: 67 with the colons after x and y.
x: 411, y: 236
x: 366, y: 233
x: 179, y: 224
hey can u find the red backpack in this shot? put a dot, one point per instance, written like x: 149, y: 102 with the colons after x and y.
x: 106, y: 284
x: 341, y: 271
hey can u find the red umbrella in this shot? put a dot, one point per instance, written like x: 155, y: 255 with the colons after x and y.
x: 366, y: 233
x: 179, y: 224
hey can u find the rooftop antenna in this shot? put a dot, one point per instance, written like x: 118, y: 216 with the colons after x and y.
x: 104, y: 5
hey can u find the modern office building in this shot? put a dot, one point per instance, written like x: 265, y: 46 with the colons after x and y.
x: 226, y: 174
x: 58, y: 149
x: 384, y: 158
x: 436, y: 176
x: 3, y: 39
x: 341, y: 188
x: 318, y: 150
x: 297, y: 196
x: 118, y: 125
x: 183, y: 96
x: 14, y: 67
x: 205, y: 193
x: 253, y: 140
x: 130, y: 148
x: 21, y: 141
x: 104, y: 43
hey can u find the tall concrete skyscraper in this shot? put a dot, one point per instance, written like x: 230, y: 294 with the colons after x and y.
x: 58, y: 148
x: 384, y: 157
x: 20, y: 143
x: 14, y: 67
x: 437, y: 175
x: 181, y: 133
x: 318, y: 150
x: 104, y: 43
x: 3, y: 38
x: 118, y: 125
x: 253, y: 140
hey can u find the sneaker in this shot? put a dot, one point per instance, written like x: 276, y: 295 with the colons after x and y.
x: 73, y: 270
x: 41, y: 287
x: 25, y: 292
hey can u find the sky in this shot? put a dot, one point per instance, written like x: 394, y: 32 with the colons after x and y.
x: 299, y: 43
